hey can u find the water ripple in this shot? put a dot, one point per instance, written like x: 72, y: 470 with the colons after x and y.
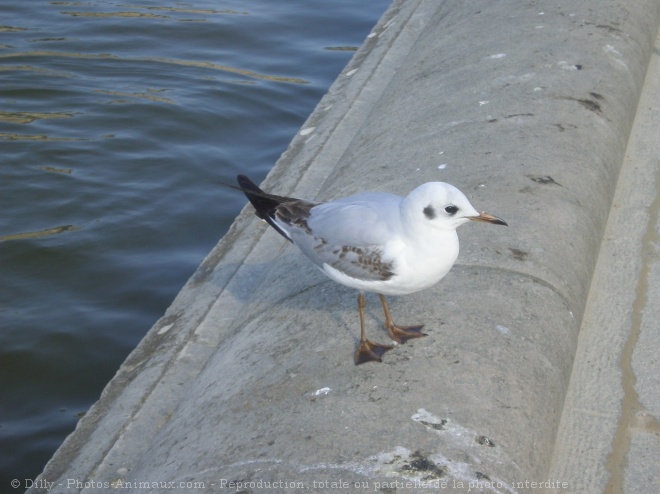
x: 188, y: 63
x: 28, y: 117
x: 42, y: 233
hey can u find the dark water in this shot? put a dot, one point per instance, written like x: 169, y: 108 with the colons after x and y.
x: 115, y: 119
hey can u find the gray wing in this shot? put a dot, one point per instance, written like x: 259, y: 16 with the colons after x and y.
x: 348, y: 234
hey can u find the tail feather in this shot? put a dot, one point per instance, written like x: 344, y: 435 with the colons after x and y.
x: 265, y: 205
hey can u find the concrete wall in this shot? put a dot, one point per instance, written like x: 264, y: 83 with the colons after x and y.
x: 527, y: 108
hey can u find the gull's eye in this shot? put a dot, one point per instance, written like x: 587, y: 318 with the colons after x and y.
x: 451, y: 210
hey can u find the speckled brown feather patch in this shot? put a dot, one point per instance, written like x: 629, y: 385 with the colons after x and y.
x: 367, y: 259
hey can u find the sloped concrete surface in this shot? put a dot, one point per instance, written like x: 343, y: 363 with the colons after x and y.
x: 247, y: 382
x: 609, y: 439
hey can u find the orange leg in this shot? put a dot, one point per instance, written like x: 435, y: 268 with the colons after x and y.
x: 367, y: 351
x: 400, y: 334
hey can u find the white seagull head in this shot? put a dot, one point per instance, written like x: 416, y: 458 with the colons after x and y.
x: 442, y: 206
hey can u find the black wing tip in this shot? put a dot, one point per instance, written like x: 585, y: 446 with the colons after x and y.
x: 264, y: 204
x: 247, y: 184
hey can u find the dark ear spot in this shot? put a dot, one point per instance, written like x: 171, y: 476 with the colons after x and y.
x: 429, y: 212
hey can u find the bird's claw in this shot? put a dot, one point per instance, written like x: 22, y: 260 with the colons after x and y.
x: 368, y: 351
x: 401, y: 334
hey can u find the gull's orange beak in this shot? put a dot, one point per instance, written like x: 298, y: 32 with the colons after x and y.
x: 488, y: 219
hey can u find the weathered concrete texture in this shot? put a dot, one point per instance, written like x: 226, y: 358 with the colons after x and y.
x: 609, y: 440
x: 249, y: 377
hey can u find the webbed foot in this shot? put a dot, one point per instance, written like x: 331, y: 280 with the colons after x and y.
x: 401, y: 334
x: 368, y: 351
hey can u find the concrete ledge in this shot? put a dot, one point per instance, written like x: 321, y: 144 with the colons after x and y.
x: 609, y: 434
x: 248, y: 376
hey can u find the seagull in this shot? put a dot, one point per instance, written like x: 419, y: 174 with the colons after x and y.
x: 374, y: 242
